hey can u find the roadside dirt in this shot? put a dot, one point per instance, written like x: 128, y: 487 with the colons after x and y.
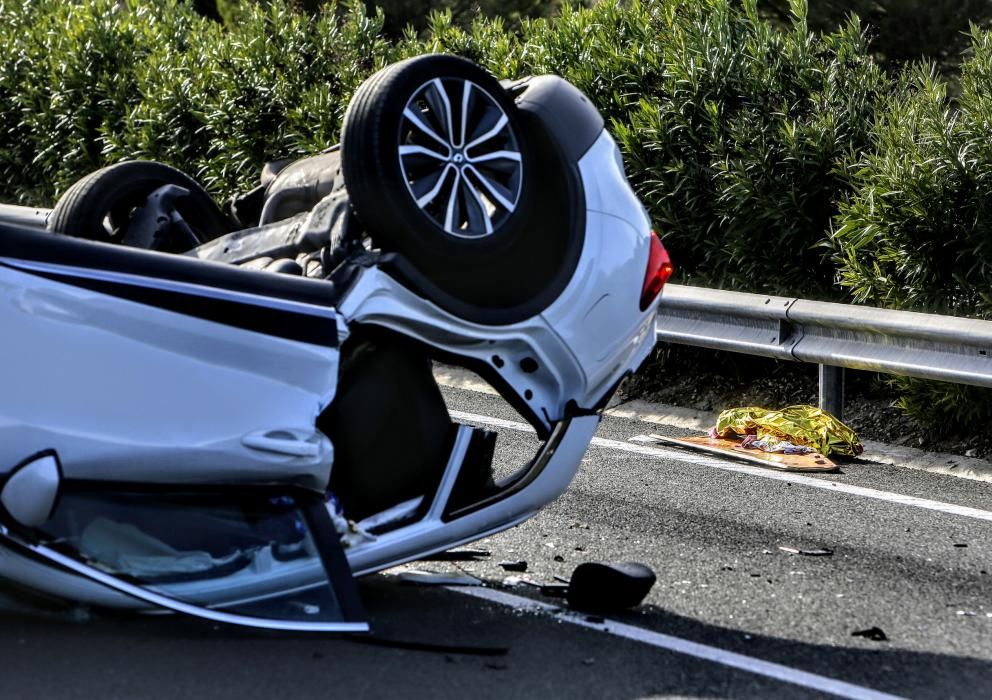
x: 707, y: 380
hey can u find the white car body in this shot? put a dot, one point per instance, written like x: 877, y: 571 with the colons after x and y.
x: 233, y: 405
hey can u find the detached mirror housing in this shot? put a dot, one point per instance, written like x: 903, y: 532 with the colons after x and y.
x: 30, y: 493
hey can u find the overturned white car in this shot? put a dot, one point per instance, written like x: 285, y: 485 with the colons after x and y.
x: 230, y: 414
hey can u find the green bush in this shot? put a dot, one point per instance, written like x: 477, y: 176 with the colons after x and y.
x: 399, y: 14
x: 902, y: 30
x: 65, y: 84
x: 739, y: 143
x: 94, y: 82
x: 916, y: 233
x: 228, y: 100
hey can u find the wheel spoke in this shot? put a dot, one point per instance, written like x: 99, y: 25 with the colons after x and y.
x: 411, y: 150
x: 494, y: 155
x: 427, y: 197
x: 496, y: 191
x: 420, y: 124
x: 419, y: 161
x: 469, y: 181
x: 437, y: 98
x: 451, y: 215
x: 482, y: 211
x: 500, y: 123
x: 466, y: 103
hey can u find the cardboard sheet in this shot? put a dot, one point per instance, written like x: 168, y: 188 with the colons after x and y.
x: 812, y: 462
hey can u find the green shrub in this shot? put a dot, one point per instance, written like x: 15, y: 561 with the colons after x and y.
x: 398, y: 15
x: 902, y: 30
x: 916, y: 233
x: 740, y: 148
x: 88, y: 83
x: 230, y: 99
x: 65, y: 84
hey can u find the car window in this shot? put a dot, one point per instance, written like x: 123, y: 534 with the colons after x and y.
x: 255, y: 556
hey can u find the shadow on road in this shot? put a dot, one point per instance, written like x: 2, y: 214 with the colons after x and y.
x: 49, y: 650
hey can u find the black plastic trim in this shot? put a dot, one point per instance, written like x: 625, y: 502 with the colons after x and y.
x: 281, y: 323
x: 478, y: 462
x: 524, y: 478
x: 332, y: 556
x: 31, y: 244
x: 568, y: 116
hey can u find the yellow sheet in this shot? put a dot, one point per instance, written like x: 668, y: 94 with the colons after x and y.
x: 800, y: 425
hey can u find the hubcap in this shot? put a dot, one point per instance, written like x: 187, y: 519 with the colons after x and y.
x: 459, y: 157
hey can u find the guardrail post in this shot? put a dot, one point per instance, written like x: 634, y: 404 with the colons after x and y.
x: 832, y: 390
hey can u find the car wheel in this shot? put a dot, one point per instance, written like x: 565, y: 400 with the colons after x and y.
x: 442, y: 167
x: 103, y: 205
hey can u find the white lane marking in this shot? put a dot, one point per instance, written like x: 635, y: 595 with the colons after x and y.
x: 714, y: 463
x: 678, y: 645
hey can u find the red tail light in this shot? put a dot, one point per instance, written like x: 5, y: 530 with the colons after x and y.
x: 660, y: 268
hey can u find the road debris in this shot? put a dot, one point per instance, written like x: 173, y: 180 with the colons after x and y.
x: 552, y: 590
x: 459, y: 555
x: 875, y: 634
x: 430, y: 578
x: 752, y: 442
x: 599, y: 587
x: 821, y: 552
x: 519, y: 565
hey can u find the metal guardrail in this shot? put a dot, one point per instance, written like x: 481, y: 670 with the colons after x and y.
x: 834, y: 336
x: 24, y: 216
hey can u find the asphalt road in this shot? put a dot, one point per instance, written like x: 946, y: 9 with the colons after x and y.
x: 731, y: 615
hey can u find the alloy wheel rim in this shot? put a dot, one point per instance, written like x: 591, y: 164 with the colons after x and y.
x: 460, y: 158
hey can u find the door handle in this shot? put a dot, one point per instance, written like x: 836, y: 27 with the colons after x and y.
x: 284, y: 442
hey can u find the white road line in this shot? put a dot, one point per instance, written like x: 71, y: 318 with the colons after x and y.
x: 714, y: 463
x: 678, y: 645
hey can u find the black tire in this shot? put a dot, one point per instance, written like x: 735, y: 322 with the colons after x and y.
x: 99, y: 206
x: 498, y: 240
